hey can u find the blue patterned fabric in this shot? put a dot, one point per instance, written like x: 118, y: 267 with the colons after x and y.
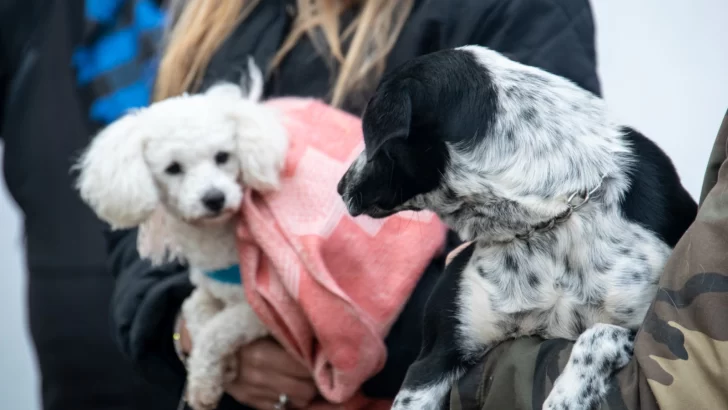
x: 229, y: 275
x: 116, y: 65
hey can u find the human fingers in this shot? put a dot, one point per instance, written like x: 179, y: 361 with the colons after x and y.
x: 268, y: 355
x: 255, y: 397
x: 271, y: 385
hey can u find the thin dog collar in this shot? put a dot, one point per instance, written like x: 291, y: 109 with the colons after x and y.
x: 571, y: 207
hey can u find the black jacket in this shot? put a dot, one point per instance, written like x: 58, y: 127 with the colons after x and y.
x: 557, y: 35
x: 43, y: 126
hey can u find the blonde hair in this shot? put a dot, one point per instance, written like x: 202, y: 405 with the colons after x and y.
x: 203, y: 25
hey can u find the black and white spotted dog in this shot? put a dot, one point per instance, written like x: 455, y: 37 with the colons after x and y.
x: 572, y: 215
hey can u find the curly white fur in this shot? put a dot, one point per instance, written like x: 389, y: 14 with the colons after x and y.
x: 176, y: 169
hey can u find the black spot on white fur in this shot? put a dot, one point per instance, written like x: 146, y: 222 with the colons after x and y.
x: 496, y: 148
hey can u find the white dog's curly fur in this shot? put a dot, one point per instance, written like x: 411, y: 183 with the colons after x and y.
x: 176, y: 169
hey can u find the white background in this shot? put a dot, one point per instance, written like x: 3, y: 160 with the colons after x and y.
x: 664, y: 69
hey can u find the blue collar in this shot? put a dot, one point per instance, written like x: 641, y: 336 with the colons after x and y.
x: 229, y: 275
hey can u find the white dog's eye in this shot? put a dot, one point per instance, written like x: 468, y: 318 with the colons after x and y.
x: 174, y: 168
x: 222, y: 157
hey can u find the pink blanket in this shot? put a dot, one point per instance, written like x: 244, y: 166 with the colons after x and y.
x: 327, y: 285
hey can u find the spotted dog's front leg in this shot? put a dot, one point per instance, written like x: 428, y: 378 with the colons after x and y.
x: 447, y: 349
x: 596, y: 355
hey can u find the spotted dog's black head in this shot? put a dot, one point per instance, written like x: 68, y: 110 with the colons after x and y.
x: 442, y: 98
x: 492, y: 146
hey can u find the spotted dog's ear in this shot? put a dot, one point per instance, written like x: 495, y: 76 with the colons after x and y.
x: 388, y: 116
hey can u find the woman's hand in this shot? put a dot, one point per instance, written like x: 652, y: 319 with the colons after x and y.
x: 264, y: 372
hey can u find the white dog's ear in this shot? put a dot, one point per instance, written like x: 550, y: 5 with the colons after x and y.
x: 262, y: 144
x: 114, y: 179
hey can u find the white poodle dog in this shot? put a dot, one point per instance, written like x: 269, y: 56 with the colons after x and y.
x: 178, y: 170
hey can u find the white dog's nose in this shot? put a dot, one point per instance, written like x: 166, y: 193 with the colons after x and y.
x: 214, y: 200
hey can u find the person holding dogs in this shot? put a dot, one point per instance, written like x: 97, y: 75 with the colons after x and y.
x: 336, y: 51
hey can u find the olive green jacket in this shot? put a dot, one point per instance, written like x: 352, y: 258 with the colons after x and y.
x: 681, y: 351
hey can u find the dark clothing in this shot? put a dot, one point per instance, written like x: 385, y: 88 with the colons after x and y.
x: 680, y: 350
x: 556, y: 36
x: 43, y: 125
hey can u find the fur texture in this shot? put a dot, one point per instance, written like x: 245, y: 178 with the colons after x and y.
x: 176, y: 169
x: 505, y: 154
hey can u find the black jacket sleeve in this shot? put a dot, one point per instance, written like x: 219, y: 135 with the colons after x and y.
x: 144, y: 306
x: 4, y: 69
x: 555, y: 35
x: 3, y: 92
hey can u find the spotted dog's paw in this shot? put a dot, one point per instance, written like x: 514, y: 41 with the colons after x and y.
x: 598, y: 352
x: 428, y: 398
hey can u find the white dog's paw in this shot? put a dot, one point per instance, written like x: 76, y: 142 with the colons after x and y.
x: 203, y: 393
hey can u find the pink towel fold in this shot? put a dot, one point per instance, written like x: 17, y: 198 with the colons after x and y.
x: 327, y: 285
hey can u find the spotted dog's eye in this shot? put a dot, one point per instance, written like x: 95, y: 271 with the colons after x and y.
x: 174, y: 169
x: 222, y: 157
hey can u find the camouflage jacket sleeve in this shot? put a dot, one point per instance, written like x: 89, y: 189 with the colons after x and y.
x: 681, y: 351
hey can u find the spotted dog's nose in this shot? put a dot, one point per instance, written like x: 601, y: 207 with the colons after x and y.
x: 340, y: 187
x: 214, y: 200
x: 352, y: 206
